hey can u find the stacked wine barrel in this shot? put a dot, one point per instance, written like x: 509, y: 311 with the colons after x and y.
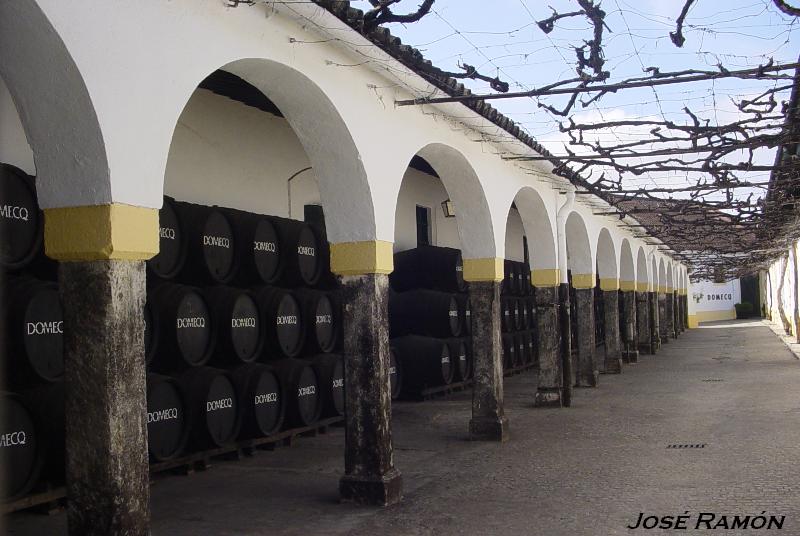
x: 518, y: 320
x: 242, y: 327
x: 429, y: 321
x: 31, y: 357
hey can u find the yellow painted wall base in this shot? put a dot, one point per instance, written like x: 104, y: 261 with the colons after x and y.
x: 101, y: 232
x: 710, y: 316
x: 545, y: 277
x: 583, y: 281
x: 360, y: 258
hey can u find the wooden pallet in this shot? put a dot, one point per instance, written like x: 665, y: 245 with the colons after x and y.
x: 51, y: 498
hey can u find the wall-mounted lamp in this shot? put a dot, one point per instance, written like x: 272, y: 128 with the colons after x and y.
x: 447, y: 208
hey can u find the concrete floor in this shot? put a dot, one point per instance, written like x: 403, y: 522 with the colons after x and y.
x: 585, y: 470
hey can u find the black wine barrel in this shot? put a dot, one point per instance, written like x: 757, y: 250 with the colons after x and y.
x: 212, y: 253
x: 430, y: 267
x: 509, y: 351
x: 260, y: 248
x: 395, y: 375
x: 282, y: 319
x: 167, y: 420
x: 330, y: 372
x: 426, y: 362
x: 171, y: 242
x: 522, y: 314
x: 525, y: 284
x: 35, y: 324
x: 321, y: 318
x: 304, y: 253
x: 464, y: 312
x: 236, y: 315
x: 424, y: 312
x: 261, y: 399
x: 213, y: 407
x: 21, y: 451
x: 509, y: 285
x: 459, y: 353
x: 529, y: 346
x: 21, y: 222
x: 302, y: 392
x: 509, y: 309
x: 46, y: 404
x: 185, y: 328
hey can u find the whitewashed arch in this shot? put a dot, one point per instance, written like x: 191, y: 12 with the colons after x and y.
x: 538, y: 229
x: 670, y: 275
x: 606, y: 256
x: 643, y: 276
x: 655, y: 280
x: 579, y: 250
x: 627, y: 269
x: 662, y: 273
x: 55, y: 108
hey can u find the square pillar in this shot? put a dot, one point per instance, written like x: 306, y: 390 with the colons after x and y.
x: 643, y: 323
x: 630, y: 346
x: 655, y: 338
x: 568, y: 365
x: 488, y: 418
x: 370, y: 476
x: 101, y: 249
x: 587, y: 370
x: 548, y: 391
x: 612, y: 343
x: 670, y: 316
x: 663, y: 318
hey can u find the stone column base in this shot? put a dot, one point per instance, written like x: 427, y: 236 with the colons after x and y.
x: 613, y: 366
x: 488, y: 429
x: 646, y: 348
x: 588, y: 379
x: 372, y: 490
x: 630, y: 356
x: 547, y: 398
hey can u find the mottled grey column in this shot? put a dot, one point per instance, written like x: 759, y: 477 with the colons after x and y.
x: 370, y: 476
x: 587, y: 367
x: 548, y: 392
x: 105, y: 397
x: 679, y: 327
x: 670, y: 306
x: 663, y: 318
x: 655, y: 330
x: 567, y: 362
x: 630, y: 344
x: 643, y: 323
x: 488, y: 419
x: 612, y: 343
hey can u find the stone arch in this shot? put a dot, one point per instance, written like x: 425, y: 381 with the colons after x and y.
x: 627, y: 268
x: 579, y: 250
x: 662, y: 275
x: 464, y: 189
x: 539, y: 232
x: 55, y: 107
x: 607, y: 267
x: 643, y: 278
x: 326, y: 140
x: 670, y: 276
x: 656, y: 280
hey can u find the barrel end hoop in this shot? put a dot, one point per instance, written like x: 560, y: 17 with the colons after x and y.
x: 372, y: 490
x: 488, y: 429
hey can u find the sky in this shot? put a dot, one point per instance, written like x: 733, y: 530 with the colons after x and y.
x: 501, y: 38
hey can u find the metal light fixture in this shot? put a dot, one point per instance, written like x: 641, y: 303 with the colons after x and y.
x: 448, y: 209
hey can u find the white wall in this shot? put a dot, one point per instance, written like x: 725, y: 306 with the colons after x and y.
x: 778, y: 292
x: 709, y: 301
x: 514, y: 233
x: 14, y: 148
x: 229, y: 154
x: 428, y: 191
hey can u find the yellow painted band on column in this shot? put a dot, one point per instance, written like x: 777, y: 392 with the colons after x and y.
x: 583, y: 280
x: 101, y: 232
x: 609, y: 283
x: 662, y: 289
x: 627, y: 286
x: 550, y: 277
x: 670, y: 290
x: 489, y: 269
x: 692, y: 321
x: 641, y: 287
x: 360, y: 258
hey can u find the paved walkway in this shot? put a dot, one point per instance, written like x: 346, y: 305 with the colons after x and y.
x: 585, y: 470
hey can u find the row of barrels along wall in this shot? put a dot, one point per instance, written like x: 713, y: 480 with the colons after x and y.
x: 195, y: 405
x: 518, y: 321
x: 429, y: 320
x: 31, y: 357
x: 243, y: 322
